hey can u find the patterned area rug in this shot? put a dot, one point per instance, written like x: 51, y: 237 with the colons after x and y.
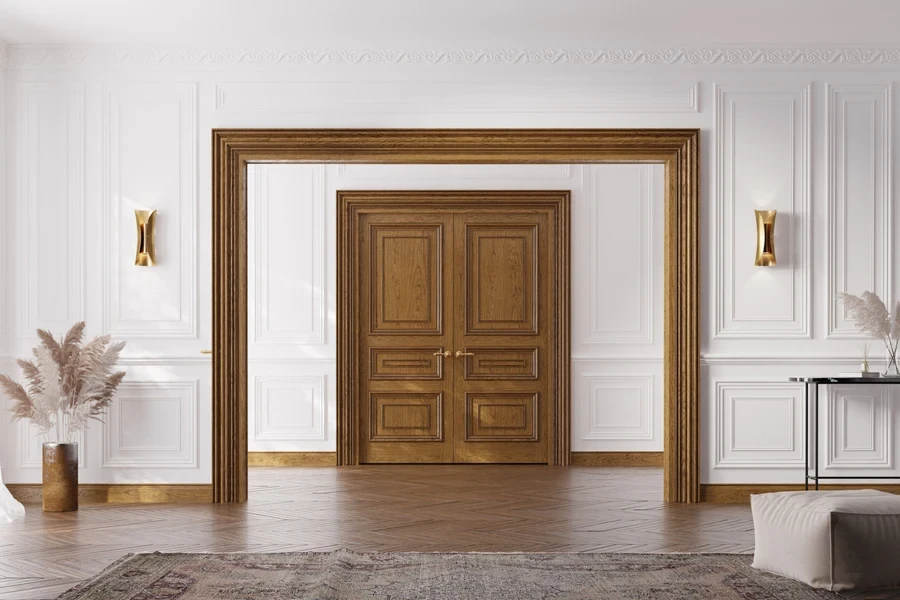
x: 347, y: 575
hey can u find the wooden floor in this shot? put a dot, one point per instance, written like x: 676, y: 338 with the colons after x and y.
x: 386, y: 508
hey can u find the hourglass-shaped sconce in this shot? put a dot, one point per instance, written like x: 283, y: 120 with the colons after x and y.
x: 146, y: 251
x: 765, y: 238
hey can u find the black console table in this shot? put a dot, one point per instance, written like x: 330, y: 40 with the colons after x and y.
x: 815, y: 382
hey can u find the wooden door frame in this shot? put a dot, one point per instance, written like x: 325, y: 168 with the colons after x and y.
x: 677, y: 149
x: 351, y: 202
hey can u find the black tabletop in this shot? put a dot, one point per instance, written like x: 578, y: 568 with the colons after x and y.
x: 878, y: 380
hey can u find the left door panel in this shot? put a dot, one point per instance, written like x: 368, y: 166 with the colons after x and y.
x: 404, y: 303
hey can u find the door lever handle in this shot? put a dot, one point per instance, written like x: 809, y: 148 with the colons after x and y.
x: 461, y: 353
x: 440, y: 353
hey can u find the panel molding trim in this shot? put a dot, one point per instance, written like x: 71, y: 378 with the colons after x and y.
x: 176, y: 272
x: 642, y: 430
x: 876, y: 237
x: 616, y: 95
x: 797, y: 319
x: 55, y: 110
x: 312, y: 385
x: 877, y: 451
x: 180, y: 398
x: 783, y: 453
x: 598, y: 220
x: 263, y: 334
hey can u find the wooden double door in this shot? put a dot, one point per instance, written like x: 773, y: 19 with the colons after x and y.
x: 458, y: 323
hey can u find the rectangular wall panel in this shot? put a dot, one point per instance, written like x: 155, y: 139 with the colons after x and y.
x: 618, y: 407
x: 6, y: 201
x: 149, y: 162
x: 762, y: 163
x: 50, y: 204
x: 611, y: 95
x: 619, y: 261
x: 758, y: 425
x: 152, y: 425
x: 860, y: 198
x: 287, y: 256
x: 288, y: 408
x: 859, y: 427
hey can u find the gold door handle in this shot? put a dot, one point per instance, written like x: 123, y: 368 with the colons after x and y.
x: 461, y: 353
x: 206, y: 352
x: 442, y: 353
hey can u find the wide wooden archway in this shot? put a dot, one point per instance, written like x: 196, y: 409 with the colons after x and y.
x: 234, y: 149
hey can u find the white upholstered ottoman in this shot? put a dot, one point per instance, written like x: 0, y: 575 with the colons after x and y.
x: 833, y: 540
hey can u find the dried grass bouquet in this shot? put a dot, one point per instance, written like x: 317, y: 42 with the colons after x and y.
x: 69, y: 383
x: 873, y: 318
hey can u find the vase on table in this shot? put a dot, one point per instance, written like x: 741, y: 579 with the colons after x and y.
x: 892, y: 369
x: 60, y: 477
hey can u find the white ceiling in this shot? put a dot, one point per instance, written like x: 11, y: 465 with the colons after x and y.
x: 409, y: 24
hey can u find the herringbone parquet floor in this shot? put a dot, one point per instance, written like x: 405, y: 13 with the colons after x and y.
x: 383, y: 508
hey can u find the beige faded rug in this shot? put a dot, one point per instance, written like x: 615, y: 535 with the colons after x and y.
x: 347, y: 575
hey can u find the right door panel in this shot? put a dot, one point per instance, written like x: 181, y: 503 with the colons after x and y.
x: 502, y: 332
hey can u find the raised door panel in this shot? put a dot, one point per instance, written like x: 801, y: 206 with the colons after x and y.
x: 406, y: 270
x: 406, y: 417
x: 506, y: 417
x: 404, y: 363
x: 501, y: 285
x: 500, y: 363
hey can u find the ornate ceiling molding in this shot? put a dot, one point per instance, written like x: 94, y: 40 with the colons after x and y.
x: 29, y: 56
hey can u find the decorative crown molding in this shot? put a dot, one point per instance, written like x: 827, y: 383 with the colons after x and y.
x: 31, y: 56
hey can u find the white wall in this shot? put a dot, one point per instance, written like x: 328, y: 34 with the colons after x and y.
x: 617, y: 303
x: 93, y: 133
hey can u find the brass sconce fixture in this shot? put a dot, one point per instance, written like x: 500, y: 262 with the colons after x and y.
x: 765, y: 238
x: 146, y: 251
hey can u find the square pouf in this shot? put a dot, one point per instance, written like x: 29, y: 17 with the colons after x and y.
x: 837, y: 541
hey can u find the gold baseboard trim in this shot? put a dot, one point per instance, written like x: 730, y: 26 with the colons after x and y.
x: 740, y: 493
x: 617, y: 459
x: 123, y: 493
x: 292, y: 459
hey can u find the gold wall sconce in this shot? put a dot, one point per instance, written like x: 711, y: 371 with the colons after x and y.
x: 765, y: 238
x: 146, y: 250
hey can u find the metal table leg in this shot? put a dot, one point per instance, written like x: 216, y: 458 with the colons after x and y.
x: 806, y: 438
x: 816, y: 430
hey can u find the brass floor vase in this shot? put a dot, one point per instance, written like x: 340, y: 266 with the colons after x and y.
x: 60, y: 477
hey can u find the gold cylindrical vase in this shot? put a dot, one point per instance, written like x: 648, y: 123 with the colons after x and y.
x: 60, y: 490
